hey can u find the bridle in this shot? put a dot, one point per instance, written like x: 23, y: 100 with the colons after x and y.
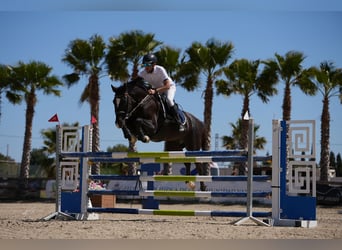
x: 140, y: 104
x: 127, y: 114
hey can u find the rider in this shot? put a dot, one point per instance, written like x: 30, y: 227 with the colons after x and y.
x: 157, y: 76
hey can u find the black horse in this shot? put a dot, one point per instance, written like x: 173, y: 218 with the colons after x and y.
x: 144, y: 117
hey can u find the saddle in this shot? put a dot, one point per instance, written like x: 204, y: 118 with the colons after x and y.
x: 167, y: 109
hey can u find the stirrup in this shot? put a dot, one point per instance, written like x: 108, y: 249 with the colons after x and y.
x: 181, y: 128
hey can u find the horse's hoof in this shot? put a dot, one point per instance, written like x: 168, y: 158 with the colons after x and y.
x: 191, y: 185
x: 146, y: 139
x: 203, y: 187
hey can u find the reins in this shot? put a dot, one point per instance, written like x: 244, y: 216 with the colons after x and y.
x: 138, y: 106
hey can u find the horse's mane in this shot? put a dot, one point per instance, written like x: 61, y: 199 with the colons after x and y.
x: 139, y: 82
x: 132, y: 85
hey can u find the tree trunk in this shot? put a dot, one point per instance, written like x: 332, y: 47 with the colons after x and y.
x: 287, y: 114
x: 135, y: 71
x: 208, y: 105
x: 94, y: 107
x: 325, y: 138
x: 287, y: 102
x: 244, y: 132
x: 244, y: 123
x: 25, y: 160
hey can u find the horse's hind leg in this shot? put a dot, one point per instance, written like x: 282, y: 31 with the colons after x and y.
x: 203, y: 187
x: 132, y: 167
x: 170, y: 146
x: 202, y: 169
x: 190, y: 184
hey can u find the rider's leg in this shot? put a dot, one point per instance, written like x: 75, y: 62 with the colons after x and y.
x: 174, y: 107
x: 176, y: 115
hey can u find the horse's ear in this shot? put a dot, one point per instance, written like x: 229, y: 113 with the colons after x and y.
x: 114, y: 88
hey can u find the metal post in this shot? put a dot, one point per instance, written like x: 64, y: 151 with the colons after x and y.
x: 84, y: 172
x: 275, y: 171
x: 250, y: 178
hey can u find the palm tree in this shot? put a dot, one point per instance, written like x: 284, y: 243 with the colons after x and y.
x: 41, y: 164
x: 289, y: 68
x: 26, y: 80
x: 6, y: 86
x: 86, y: 58
x: 126, y: 51
x: 116, y: 168
x: 3, y: 84
x: 327, y: 79
x: 233, y: 141
x: 243, y: 78
x: 169, y: 58
x: 207, y: 59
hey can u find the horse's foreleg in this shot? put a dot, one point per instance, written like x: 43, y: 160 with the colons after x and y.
x: 127, y: 133
x: 139, y: 123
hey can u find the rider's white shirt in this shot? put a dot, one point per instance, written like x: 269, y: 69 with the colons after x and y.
x: 157, y: 77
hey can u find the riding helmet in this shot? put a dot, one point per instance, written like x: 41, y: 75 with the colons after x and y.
x: 149, y: 59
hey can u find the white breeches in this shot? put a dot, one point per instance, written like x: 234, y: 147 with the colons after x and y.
x: 170, y: 94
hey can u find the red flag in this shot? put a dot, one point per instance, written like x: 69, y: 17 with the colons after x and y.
x: 93, y: 120
x: 54, y: 118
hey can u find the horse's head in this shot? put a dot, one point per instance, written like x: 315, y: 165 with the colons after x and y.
x: 120, y: 102
x: 126, y: 97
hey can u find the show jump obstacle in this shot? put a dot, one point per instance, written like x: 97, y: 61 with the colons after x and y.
x: 293, y: 177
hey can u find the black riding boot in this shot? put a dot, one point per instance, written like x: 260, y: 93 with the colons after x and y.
x: 175, y: 114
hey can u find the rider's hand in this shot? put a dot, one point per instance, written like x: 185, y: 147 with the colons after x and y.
x: 151, y: 91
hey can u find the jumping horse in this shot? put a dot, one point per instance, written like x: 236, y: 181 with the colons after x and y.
x: 144, y: 117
